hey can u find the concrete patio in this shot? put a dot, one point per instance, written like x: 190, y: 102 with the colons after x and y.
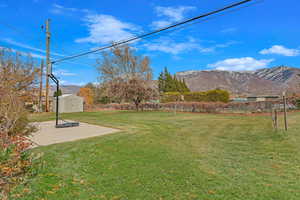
x: 47, y: 134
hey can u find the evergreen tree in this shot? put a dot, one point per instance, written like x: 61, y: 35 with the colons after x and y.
x: 169, y: 87
x: 57, y: 93
x: 169, y: 83
x: 177, y: 84
x: 161, y: 82
x: 185, y: 87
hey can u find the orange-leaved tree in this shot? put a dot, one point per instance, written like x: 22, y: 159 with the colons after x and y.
x: 87, y: 94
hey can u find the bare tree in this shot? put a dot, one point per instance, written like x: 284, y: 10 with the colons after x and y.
x: 18, y: 74
x: 122, y: 62
x: 126, y: 75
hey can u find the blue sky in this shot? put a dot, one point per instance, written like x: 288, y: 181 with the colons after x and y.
x: 264, y: 34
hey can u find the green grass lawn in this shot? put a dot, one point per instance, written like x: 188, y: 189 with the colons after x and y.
x: 159, y: 155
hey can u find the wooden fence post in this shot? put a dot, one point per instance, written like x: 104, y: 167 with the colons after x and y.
x: 275, y: 119
x: 285, y: 112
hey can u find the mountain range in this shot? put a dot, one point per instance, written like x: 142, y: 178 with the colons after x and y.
x: 66, y: 89
x: 267, y: 81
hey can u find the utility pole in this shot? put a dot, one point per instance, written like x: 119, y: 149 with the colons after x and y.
x: 41, y: 87
x: 48, y: 35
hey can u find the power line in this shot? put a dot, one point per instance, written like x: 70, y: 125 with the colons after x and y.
x: 32, y: 38
x: 21, y: 32
x: 154, y: 32
x: 54, y: 43
x: 207, y: 19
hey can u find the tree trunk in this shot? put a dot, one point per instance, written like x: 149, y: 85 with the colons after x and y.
x: 137, y: 103
x: 137, y: 106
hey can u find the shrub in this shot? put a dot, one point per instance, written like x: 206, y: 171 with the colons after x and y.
x: 16, y: 163
x: 104, y: 100
x: 218, y: 95
x: 17, y: 86
x: 298, y: 103
x: 208, y: 96
x: 170, y: 97
x: 195, y: 96
x: 208, y: 107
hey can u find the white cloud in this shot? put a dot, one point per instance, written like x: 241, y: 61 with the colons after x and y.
x: 229, y: 30
x: 25, y: 46
x: 169, y: 46
x: 58, y: 9
x: 224, y: 45
x: 160, y: 24
x: 280, y: 50
x: 62, y: 72
x: 170, y: 15
x: 105, y: 29
x: 22, y: 53
x: 240, y: 64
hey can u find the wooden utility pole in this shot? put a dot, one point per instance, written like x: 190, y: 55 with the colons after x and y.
x: 41, y: 87
x: 48, y: 35
x: 285, y: 112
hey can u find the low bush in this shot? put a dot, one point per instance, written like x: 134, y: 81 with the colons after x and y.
x: 208, y: 96
x: 298, y: 103
x: 196, y: 97
x: 16, y: 163
x: 170, y: 97
x: 200, y: 107
x: 104, y: 100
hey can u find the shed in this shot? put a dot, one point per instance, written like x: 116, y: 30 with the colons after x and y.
x: 68, y: 103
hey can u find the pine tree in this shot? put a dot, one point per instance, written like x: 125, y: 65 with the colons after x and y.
x: 185, y: 87
x: 161, y: 82
x: 169, y: 87
x: 169, y: 83
x: 177, y: 85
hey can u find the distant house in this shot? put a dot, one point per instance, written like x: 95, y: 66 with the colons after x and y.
x: 68, y: 103
x: 262, y: 98
x: 239, y: 99
x: 255, y: 98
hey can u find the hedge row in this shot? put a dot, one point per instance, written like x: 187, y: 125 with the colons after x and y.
x: 208, y: 96
x: 298, y: 103
x: 199, y: 107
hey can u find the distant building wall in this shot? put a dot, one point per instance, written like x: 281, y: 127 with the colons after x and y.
x: 68, y: 103
x: 262, y: 98
x: 238, y: 99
